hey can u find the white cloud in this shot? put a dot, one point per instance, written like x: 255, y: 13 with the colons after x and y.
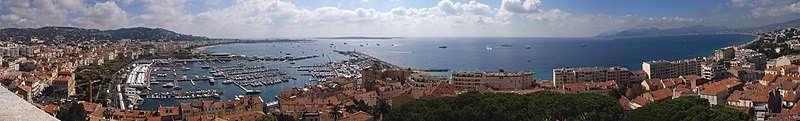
x: 789, y: 9
x: 164, y: 13
x: 282, y: 18
x: 104, y: 16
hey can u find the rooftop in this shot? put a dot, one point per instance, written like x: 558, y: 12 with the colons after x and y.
x: 17, y: 109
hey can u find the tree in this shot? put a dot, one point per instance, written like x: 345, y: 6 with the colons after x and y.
x: 543, y: 105
x: 269, y: 117
x: 686, y: 108
x: 636, y: 90
x: 381, y: 108
x: 72, y: 112
x: 336, y: 112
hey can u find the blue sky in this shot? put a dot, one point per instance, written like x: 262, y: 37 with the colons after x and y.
x: 311, y: 18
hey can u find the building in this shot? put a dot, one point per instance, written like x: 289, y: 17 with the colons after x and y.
x: 486, y: 81
x: 671, y: 69
x: 787, y: 60
x: 749, y: 59
x: 713, y: 71
x: 590, y: 74
x: 717, y: 92
x: 65, y: 81
x: 726, y: 53
x: 746, y: 75
x: 424, y: 80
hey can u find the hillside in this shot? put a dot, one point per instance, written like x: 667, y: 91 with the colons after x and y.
x: 697, y: 29
x: 63, y: 34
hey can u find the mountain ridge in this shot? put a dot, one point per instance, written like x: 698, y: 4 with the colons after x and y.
x: 696, y: 29
x: 58, y: 34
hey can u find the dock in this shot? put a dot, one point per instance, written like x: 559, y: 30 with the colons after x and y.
x: 361, y: 55
x: 182, y: 95
x: 247, y: 90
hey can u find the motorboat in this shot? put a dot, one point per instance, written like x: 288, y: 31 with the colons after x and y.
x: 167, y: 85
x: 227, y: 82
x: 442, y: 46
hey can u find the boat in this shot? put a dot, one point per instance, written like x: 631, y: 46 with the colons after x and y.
x: 253, y: 91
x: 380, y: 44
x: 583, y: 45
x: 227, y: 82
x: 527, y: 47
x: 506, y: 45
x: 288, y: 53
x: 168, y: 85
x: 291, y: 62
x: 442, y: 46
x: 177, y: 88
x: 211, y: 80
x: 206, y: 67
x: 488, y: 48
x: 361, y: 45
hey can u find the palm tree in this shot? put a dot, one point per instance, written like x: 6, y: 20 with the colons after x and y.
x: 336, y: 112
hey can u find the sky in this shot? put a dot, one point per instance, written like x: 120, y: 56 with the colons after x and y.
x: 404, y: 18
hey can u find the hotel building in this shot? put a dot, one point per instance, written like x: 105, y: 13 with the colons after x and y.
x: 672, y: 69
x: 590, y: 74
x: 487, y: 81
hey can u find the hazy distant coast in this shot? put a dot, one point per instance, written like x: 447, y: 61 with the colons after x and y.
x: 358, y: 38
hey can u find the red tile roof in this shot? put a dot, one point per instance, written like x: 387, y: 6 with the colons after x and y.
x: 790, y: 96
x: 661, y: 94
x: 769, y: 77
x: 358, y: 116
x: 640, y: 100
x: 625, y: 103
x: 714, y: 88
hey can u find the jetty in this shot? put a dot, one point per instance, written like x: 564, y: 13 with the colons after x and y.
x: 182, y: 95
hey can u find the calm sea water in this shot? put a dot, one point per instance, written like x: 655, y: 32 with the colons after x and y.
x: 468, y: 53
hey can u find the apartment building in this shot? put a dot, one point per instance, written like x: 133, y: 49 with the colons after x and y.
x: 590, y: 74
x: 672, y: 69
x: 487, y: 81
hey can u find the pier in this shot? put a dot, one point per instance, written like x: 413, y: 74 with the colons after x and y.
x: 361, y: 55
x: 182, y: 95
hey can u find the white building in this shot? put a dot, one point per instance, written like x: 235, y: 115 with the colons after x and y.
x: 672, y: 69
x: 590, y: 74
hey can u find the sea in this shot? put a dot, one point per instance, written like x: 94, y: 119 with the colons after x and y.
x: 539, y: 55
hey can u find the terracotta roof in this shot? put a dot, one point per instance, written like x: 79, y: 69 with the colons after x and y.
x: 63, y: 78
x: 25, y: 88
x: 640, y: 100
x: 89, y: 107
x: 788, y: 86
x: 735, y: 96
x: 681, y: 90
x: 661, y: 94
x: 50, y: 108
x: 625, y: 103
x: 781, y: 80
x: 714, y: 88
x: 769, y: 77
x: 752, y: 95
x: 639, y: 72
x: 691, y: 77
x: 358, y: 116
x: 790, y: 96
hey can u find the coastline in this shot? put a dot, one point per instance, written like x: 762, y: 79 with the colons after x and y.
x: 203, y: 48
x: 758, y: 37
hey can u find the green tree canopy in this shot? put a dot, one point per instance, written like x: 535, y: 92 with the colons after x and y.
x: 72, y: 112
x: 511, y: 107
x: 691, y: 108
